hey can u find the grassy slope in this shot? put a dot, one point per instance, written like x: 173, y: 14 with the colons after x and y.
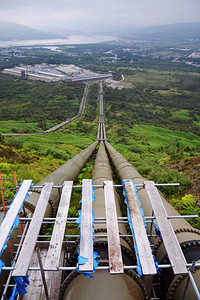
x: 153, y: 146
x: 153, y: 150
x: 34, y: 157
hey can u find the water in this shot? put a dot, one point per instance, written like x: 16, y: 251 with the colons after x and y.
x: 72, y: 39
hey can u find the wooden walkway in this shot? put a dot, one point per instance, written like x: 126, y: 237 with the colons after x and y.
x: 53, y: 252
x: 114, y: 247
x: 26, y: 252
x: 86, y: 231
x: 170, y: 241
x: 143, y: 245
x: 12, y: 213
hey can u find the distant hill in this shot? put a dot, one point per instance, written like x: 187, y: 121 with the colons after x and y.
x: 13, y: 31
x: 179, y: 32
x: 61, y: 31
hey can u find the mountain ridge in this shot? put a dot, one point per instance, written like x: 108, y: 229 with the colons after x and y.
x: 177, y: 31
x: 15, y: 31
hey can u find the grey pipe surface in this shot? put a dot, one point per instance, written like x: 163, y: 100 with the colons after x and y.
x: 126, y: 170
x: 104, y: 285
x: 102, y: 172
x: 80, y: 112
x: 186, y: 234
x: 68, y: 171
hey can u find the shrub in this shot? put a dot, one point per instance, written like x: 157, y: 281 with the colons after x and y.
x: 169, y: 176
x: 136, y: 149
x: 15, y: 142
x: 72, y: 213
x: 57, y: 153
x: 14, y: 130
x: 2, y: 138
x: 187, y: 206
x: 122, y: 131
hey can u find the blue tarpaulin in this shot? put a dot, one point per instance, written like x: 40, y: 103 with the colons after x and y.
x: 139, y: 268
x: 83, y: 260
x: 21, y: 284
x: 1, y: 265
x: 16, y: 222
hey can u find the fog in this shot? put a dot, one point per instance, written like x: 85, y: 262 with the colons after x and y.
x: 104, y: 15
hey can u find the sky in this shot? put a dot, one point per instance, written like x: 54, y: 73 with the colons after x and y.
x: 101, y: 15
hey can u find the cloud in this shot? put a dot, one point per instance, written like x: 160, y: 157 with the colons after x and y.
x: 94, y: 14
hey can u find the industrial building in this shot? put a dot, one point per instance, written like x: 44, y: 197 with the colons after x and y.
x: 53, y: 73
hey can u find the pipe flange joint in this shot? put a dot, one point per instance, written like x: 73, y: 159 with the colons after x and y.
x: 179, y: 230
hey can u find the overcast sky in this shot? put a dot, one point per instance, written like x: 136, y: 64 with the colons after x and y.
x: 99, y: 15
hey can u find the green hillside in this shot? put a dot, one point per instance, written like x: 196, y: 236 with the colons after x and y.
x: 178, y: 32
x: 154, y: 121
x: 13, y: 31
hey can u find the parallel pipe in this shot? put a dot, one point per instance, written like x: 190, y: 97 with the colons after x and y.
x: 125, y: 286
x: 102, y: 172
x: 104, y: 286
x: 68, y: 171
x: 188, y: 237
x: 80, y: 112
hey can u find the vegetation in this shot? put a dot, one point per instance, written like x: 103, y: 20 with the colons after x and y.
x: 33, y: 101
x: 154, y: 121
x: 176, y: 111
x: 187, y: 206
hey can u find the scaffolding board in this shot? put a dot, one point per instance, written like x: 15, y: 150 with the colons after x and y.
x: 53, y: 272
x: 143, y: 245
x: 170, y: 241
x: 55, y: 247
x: 12, y: 213
x: 36, y: 290
x: 86, y: 231
x: 114, y: 247
x: 26, y: 252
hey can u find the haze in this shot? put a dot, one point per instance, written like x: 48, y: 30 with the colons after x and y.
x: 104, y: 15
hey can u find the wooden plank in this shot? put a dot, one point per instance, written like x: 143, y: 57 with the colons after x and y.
x: 171, y: 243
x: 86, y: 231
x: 55, y: 247
x: 143, y: 246
x: 26, y: 252
x: 53, y: 280
x: 12, y: 213
x: 34, y: 289
x: 114, y: 247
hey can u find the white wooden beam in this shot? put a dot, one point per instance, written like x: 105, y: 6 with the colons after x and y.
x: 28, y: 246
x: 12, y: 213
x: 114, y: 247
x: 86, y: 230
x: 170, y: 241
x: 143, y: 246
x: 55, y: 247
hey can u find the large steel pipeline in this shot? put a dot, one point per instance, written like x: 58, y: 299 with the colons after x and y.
x: 188, y: 237
x: 102, y: 172
x: 103, y: 285
x: 68, y: 171
x: 60, y: 125
x: 80, y: 112
x: 101, y: 114
x: 101, y: 132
